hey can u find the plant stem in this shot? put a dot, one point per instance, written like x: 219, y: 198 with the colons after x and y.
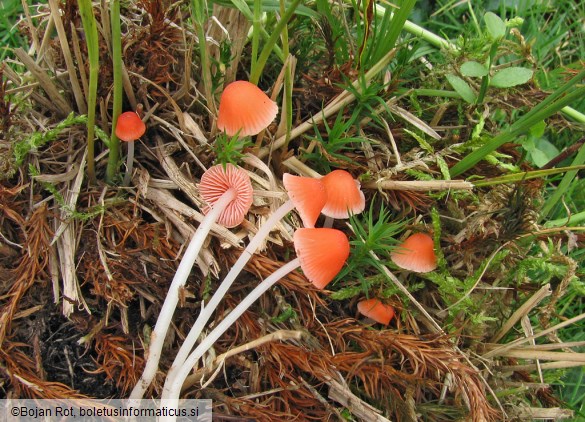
x: 485, y: 81
x: 573, y: 220
x: 114, y: 154
x: 91, y: 38
x: 221, y: 291
x: 526, y: 175
x: 170, y: 303
x: 288, y: 83
x: 256, y: 25
x: 267, y: 49
x: 423, y: 92
x: 561, y: 189
x: 199, y: 10
x: 574, y: 114
x: 172, y: 391
x: 129, y: 164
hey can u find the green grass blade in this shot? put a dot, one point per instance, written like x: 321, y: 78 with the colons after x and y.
x: 554, y: 103
x: 114, y: 154
x: 562, y: 188
x: 268, y: 47
x: 91, y: 38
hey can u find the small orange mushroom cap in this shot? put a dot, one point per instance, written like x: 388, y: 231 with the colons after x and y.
x: 129, y: 127
x: 417, y: 253
x: 216, y: 181
x: 376, y: 310
x: 245, y: 109
x: 308, y: 196
x: 321, y: 252
x: 344, y: 196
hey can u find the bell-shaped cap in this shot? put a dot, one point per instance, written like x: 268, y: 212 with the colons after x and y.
x: 376, y: 310
x: 216, y: 181
x: 321, y: 252
x: 417, y: 253
x: 308, y: 196
x: 344, y: 196
x: 245, y: 109
x: 129, y: 127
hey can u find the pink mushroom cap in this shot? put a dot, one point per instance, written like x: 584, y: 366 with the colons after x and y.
x: 308, y: 196
x: 322, y: 253
x: 245, y: 109
x: 344, y: 196
x: 129, y: 127
x: 216, y: 181
x: 417, y: 253
x: 374, y: 309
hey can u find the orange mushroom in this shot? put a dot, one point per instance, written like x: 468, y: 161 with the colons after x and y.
x: 129, y: 127
x: 374, y: 309
x: 244, y: 109
x: 228, y: 191
x: 322, y: 253
x: 219, y: 179
x: 417, y: 253
x: 308, y: 195
x: 344, y: 196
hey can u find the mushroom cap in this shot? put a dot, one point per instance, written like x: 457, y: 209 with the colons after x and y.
x: 308, y: 196
x: 321, y: 252
x: 417, y: 253
x: 129, y: 126
x: 216, y: 181
x: 245, y: 109
x: 344, y: 196
x: 376, y: 310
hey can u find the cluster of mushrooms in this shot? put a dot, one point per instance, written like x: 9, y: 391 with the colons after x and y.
x: 321, y: 251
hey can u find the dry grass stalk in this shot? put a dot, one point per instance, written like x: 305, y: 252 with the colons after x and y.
x: 543, y: 355
x: 523, y: 310
x: 58, y: 103
x: 71, y: 69
x: 532, y: 367
x: 418, y: 186
x: 204, y: 373
x: 66, y: 237
x: 172, y: 170
x: 229, y: 25
x: 532, y: 413
x: 503, y: 348
x: 362, y: 410
x: 168, y: 203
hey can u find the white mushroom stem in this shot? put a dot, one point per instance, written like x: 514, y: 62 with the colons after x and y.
x: 170, y: 303
x: 129, y: 164
x: 222, y: 289
x: 172, y: 390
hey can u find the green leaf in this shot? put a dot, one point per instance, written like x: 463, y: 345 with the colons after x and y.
x: 473, y: 69
x: 570, y: 92
x: 543, y: 152
x: 537, y: 130
x: 462, y: 88
x: 494, y: 25
x: 511, y: 76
